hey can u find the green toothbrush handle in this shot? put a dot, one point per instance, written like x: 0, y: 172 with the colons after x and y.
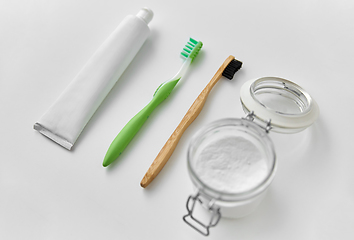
x: 127, y: 134
x: 133, y: 126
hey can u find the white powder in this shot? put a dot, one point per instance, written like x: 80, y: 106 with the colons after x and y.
x: 232, y: 164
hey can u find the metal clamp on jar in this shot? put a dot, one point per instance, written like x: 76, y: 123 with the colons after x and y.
x: 232, y: 162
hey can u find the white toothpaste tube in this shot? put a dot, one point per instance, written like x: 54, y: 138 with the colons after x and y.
x: 67, y: 117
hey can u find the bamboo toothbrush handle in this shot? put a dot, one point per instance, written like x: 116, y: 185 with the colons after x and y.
x: 167, y: 150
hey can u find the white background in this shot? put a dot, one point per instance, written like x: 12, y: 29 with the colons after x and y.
x: 47, y: 192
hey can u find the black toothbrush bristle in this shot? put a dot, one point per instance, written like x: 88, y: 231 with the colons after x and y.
x: 231, y: 69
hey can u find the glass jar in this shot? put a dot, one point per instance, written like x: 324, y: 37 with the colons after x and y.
x: 232, y: 162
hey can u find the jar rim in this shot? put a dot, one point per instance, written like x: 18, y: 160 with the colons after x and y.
x: 284, y: 122
x: 292, y: 87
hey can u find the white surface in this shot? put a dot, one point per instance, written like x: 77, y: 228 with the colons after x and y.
x: 47, y: 192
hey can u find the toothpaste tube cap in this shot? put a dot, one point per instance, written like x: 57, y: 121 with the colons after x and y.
x: 145, y: 14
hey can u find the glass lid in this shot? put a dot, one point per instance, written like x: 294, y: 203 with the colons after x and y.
x: 287, y: 106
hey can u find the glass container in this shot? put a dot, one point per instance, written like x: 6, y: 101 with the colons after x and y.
x: 270, y: 103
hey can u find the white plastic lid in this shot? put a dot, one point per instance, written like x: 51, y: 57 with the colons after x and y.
x: 289, y: 107
x: 146, y: 14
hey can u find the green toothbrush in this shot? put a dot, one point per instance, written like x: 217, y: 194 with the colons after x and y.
x: 118, y: 145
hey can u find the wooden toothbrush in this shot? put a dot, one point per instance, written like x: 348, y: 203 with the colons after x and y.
x: 227, y: 69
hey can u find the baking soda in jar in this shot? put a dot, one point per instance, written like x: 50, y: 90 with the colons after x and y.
x: 231, y: 163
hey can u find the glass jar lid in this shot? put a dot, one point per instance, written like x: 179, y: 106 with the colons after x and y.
x: 285, y: 104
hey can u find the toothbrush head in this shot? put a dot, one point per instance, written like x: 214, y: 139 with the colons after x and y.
x: 231, y: 69
x: 191, y: 49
